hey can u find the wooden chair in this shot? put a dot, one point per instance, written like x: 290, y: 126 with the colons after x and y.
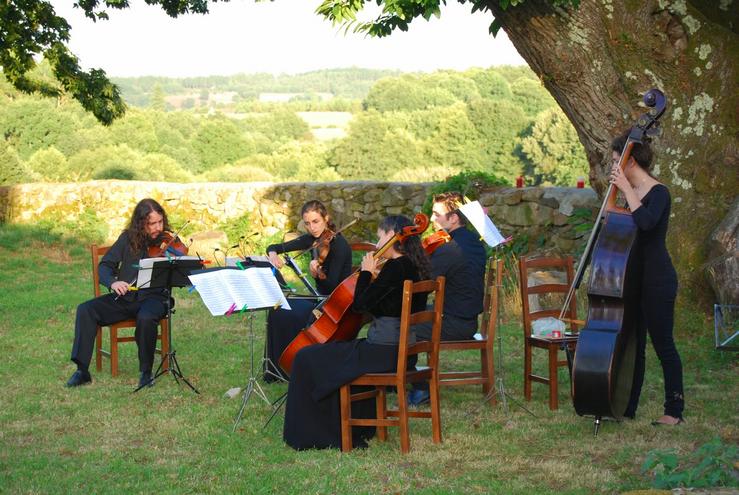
x: 98, y: 252
x: 361, y: 247
x: 552, y: 345
x: 401, y: 376
x: 488, y: 325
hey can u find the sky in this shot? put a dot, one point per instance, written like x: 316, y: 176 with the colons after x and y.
x: 280, y: 37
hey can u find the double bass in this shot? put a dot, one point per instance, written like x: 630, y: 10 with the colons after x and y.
x: 337, y: 321
x: 603, y: 368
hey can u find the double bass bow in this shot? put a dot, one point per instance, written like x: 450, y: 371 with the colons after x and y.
x: 603, y: 368
x: 337, y: 322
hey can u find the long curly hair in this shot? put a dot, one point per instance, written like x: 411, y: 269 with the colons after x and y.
x: 411, y: 247
x: 137, y: 237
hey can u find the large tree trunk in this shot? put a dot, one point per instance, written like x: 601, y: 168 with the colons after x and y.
x: 598, y: 60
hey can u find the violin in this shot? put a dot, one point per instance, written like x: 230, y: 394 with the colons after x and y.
x: 167, y: 243
x: 337, y: 321
x: 603, y: 369
x: 322, y: 245
x: 435, y: 241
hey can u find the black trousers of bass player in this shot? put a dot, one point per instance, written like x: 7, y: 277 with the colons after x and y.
x: 146, y: 309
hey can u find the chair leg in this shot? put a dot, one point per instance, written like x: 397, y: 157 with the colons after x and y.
x: 113, y: 351
x: 527, y: 370
x: 553, y: 378
x: 381, y: 411
x: 405, y: 441
x: 164, y: 326
x: 489, y: 374
x: 435, y: 410
x: 99, y: 349
x: 346, y: 410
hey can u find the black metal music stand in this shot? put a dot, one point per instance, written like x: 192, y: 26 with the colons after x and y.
x: 165, y: 275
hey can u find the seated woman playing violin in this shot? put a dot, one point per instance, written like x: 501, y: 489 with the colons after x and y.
x: 312, y: 416
x: 145, y: 236
x: 330, y: 264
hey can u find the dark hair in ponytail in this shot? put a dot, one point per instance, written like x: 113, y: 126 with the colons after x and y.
x: 320, y: 208
x: 411, y: 247
x: 640, y: 152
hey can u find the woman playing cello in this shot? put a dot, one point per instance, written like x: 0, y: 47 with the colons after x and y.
x: 649, y: 202
x: 331, y: 263
x: 312, y: 416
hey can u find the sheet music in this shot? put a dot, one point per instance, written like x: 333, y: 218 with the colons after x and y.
x: 482, y: 223
x: 146, y: 265
x: 224, y: 290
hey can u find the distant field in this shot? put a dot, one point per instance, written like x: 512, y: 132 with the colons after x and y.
x: 327, y: 125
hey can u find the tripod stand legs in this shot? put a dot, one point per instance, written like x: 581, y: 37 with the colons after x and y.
x: 173, y: 368
x: 252, y: 387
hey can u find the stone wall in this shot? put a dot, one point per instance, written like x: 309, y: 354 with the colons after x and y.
x: 544, y: 218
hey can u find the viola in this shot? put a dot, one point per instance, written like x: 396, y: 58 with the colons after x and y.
x: 435, y: 241
x: 167, y: 243
x: 337, y: 322
x: 603, y: 368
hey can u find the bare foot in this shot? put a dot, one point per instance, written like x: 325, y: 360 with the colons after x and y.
x: 668, y: 420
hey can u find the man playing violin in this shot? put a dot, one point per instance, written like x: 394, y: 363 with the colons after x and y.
x: 331, y: 263
x: 118, y: 271
x: 462, y: 261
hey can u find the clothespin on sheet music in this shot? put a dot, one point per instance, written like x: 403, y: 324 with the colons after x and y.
x: 230, y: 310
x: 277, y: 305
x: 240, y: 266
x: 191, y: 289
x: 244, y: 308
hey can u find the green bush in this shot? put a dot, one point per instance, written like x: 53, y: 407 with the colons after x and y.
x: 86, y: 228
x: 470, y: 184
x: 712, y: 464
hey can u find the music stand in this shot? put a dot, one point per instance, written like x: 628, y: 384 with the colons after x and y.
x: 252, y: 384
x: 166, y: 274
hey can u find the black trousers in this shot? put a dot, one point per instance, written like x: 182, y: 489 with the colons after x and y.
x: 657, y: 317
x: 105, y: 310
x: 452, y: 328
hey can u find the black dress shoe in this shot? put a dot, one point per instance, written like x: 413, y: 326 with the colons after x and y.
x: 146, y: 380
x: 79, y: 378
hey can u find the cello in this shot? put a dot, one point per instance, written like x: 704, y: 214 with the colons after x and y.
x: 337, y: 321
x: 603, y: 367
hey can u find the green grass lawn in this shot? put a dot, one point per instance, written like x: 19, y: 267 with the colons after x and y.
x: 102, y: 438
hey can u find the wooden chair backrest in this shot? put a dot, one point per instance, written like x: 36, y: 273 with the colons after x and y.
x: 552, y: 264
x: 408, y: 319
x: 361, y: 246
x: 96, y: 253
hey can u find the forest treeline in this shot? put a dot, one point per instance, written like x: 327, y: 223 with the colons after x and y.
x: 402, y: 127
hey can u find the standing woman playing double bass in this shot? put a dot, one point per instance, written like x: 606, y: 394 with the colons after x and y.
x: 336, y: 265
x: 649, y: 202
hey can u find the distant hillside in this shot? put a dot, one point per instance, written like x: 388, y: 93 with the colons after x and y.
x: 351, y: 83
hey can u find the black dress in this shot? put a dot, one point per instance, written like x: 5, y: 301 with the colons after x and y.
x: 284, y: 325
x: 312, y: 416
x: 657, y: 301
